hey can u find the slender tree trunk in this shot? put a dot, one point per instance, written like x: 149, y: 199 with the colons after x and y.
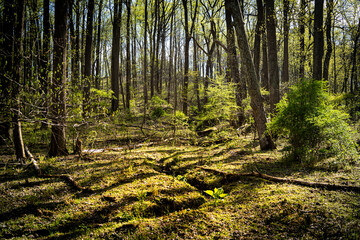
x: 318, y: 40
x: 328, y: 23
x: 115, y: 52
x: 196, y: 75
x: 186, y: 63
x: 98, y: 66
x: 302, y: 38
x: 17, y: 65
x: 88, y: 57
x: 58, y: 105
x: 256, y: 101
x: 265, y: 68
x: 145, y: 55
x: 171, y: 54
x: 257, y: 40
x: 272, y: 54
x: 285, y: 72
x: 128, y: 57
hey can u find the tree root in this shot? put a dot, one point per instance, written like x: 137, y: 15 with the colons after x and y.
x: 66, y: 178
x: 327, y: 186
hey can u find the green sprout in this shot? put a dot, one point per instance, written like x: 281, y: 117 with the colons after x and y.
x: 217, y: 194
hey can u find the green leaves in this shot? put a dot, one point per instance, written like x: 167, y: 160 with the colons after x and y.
x: 218, y: 193
x: 313, y: 123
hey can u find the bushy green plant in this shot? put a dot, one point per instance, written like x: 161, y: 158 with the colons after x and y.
x: 313, y: 123
x: 221, y: 104
x: 159, y: 107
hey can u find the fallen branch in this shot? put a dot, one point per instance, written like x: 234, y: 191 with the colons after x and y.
x: 328, y: 186
x: 66, y: 178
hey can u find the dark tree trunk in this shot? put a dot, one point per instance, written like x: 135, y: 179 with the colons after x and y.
x: 88, y: 57
x: 285, y: 70
x: 272, y: 54
x: 98, y: 66
x: 58, y: 105
x: 186, y: 53
x: 171, y: 54
x: 265, y: 68
x: 258, y: 30
x: 6, y: 67
x: 196, y: 75
x: 302, y: 39
x: 145, y: 55
x: 188, y: 33
x: 17, y: 69
x: 128, y: 57
x: 115, y: 52
x: 318, y: 40
x: 256, y: 101
x: 233, y: 63
x: 329, y: 10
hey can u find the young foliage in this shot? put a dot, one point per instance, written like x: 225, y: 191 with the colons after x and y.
x: 313, y: 123
x: 221, y: 105
x: 217, y: 194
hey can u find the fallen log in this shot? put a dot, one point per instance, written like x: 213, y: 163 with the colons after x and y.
x: 321, y: 185
x: 66, y: 178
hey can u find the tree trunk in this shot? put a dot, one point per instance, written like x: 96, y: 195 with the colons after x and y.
x: 98, y: 68
x: 328, y: 23
x: 88, y: 57
x: 128, y: 57
x: 233, y: 63
x: 115, y: 52
x: 145, y: 55
x: 318, y: 40
x: 17, y: 65
x: 285, y: 70
x: 196, y: 75
x: 6, y: 67
x: 186, y: 63
x: 272, y: 54
x: 256, y: 101
x: 58, y: 105
x: 258, y: 30
x: 302, y: 39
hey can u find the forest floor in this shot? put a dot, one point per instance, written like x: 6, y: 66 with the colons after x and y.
x: 156, y: 190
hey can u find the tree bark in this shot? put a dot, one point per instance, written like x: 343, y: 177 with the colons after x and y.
x: 98, y: 66
x: 115, y: 52
x: 233, y: 64
x: 256, y: 101
x: 6, y: 67
x: 17, y: 69
x: 88, y: 57
x: 58, y: 105
x: 128, y: 57
x: 328, y: 23
x: 272, y: 54
x: 145, y: 56
x: 318, y: 51
x: 302, y: 39
x: 257, y: 40
x: 285, y: 70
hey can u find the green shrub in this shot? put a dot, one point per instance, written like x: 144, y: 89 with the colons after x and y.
x: 221, y: 105
x: 313, y: 123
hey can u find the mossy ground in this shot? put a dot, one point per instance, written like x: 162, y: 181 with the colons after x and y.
x: 155, y: 190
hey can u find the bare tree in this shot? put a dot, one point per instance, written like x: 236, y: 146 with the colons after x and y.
x: 58, y: 104
x: 251, y: 77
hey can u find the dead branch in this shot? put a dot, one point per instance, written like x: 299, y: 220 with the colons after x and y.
x: 66, y: 178
x: 328, y: 186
